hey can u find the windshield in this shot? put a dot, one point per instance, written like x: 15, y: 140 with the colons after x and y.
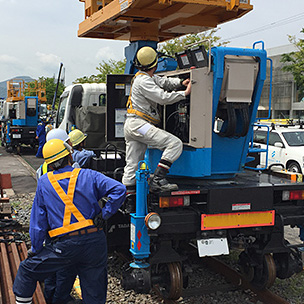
x: 61, y: 110
x: 42, y: 110
x: 294, y: 138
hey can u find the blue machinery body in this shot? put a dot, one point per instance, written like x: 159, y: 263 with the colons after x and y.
x: 227, y: 155
x: 139, y: 238
x: 165, y: 64
x: 31, y: 113
x: 22, y: 128
x: 223, y: 159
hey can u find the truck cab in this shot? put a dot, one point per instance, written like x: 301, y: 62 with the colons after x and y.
x: 77, y: 96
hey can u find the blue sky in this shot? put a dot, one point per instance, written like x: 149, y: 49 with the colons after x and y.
x: 36, y: 35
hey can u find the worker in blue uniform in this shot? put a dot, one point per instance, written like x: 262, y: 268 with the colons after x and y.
x: 59, y: 285
x: 52, y: 134
x: 40, y: 135
x: 80, y: 154
x: 65, y: 208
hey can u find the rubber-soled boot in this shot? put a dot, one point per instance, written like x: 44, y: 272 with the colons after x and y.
x: 159, y: 182
x: 130, y: 202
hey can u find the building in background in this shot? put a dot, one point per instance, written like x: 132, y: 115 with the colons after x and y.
x: 285, y: 102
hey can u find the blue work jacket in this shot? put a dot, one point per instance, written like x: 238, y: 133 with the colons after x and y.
x: 48, y: 209
x: 40, y: 131
x: 82, y: 157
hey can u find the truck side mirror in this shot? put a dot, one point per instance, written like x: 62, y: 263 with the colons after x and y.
x: 279, y: 145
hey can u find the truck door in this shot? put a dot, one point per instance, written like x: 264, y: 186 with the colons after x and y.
x: 276, y: 149
x: 260, y: 140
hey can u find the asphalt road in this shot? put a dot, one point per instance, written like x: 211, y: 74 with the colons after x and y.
x: 22, y: 169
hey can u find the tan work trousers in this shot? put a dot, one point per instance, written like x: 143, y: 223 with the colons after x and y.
x: 138, y: 135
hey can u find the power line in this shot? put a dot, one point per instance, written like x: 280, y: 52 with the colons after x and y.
x: 269, y: 26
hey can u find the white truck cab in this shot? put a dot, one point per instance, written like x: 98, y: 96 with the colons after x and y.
x: 77, y: 96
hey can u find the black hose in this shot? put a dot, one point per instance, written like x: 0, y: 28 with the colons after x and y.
x: 245, y: 117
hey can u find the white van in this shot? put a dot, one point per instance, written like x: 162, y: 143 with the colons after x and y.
x: 76, y: 96
x: 286, y: 146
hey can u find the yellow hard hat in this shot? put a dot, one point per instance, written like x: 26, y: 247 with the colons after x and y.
x: 54, y: 150
x: 76, y: 137
x: 48, y: 128
x: 146, y: 58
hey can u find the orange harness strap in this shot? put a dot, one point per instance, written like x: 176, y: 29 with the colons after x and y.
x: 67, y: 199
x: 136, y: 112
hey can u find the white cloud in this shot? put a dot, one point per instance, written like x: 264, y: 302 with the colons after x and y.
x: 105, y: 53
x: 48, y: 59
x: 7, y: 58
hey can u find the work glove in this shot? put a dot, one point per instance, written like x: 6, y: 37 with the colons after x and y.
x: 103, y: 201
x: 99, y: 221
x: 30, y: 253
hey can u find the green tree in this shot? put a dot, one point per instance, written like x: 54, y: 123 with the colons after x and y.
x: 104, y: 68
x: 51, y: 84
x: 179, y: 44
x: 295, y: 63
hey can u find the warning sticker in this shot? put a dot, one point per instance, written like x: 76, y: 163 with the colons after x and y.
x: 119, y: 86
x: 132, y: 233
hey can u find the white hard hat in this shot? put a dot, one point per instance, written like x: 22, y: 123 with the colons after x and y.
x: 146, y: 58
x: 57, y: 134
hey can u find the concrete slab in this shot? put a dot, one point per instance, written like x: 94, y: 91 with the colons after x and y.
x: 24, y: 184
x: 29, y: 155
x: 8, y: 164
x: 21, y: 174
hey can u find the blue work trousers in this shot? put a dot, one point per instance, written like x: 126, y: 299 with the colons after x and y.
x: 58, y: 287
x: 86, y: 253
x: 41, y: 141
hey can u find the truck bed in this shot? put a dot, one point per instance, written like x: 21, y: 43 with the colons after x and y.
x: 245, y: 179
x: 247, y: 191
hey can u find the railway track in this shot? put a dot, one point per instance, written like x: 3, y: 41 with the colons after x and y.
x: 12, y: 251
x: 231, y: 275
x: 235, y: 281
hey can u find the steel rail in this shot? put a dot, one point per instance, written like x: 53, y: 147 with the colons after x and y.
x: 265, y: 295
x: 237, y: 282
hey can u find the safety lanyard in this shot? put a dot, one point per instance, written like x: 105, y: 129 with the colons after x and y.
x: 67, y: 199
x: 136, y: 112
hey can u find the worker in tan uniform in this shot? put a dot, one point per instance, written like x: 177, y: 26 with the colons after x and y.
x: 140, y: 129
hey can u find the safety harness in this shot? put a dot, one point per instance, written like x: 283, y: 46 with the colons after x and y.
x: 44, y: 168
x: 136, y: 112
x: 67, y: 199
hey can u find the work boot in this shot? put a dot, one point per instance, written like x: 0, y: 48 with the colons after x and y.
x: 131, y: 189
x: 130, y: 202
x: 159, y: 183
